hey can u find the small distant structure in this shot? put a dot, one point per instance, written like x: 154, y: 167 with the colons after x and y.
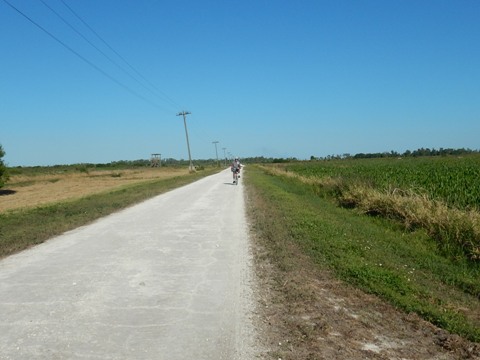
x: 156, y: 160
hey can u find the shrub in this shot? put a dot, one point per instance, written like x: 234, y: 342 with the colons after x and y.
x: 3, y: 169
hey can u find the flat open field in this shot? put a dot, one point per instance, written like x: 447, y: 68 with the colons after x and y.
x: 25, y: 191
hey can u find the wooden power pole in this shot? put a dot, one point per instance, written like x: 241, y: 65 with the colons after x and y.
x: 184, y: 114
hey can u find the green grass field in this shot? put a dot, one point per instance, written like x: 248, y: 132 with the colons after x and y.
x: 403, y: 266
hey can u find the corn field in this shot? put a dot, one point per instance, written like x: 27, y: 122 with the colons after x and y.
x: 453, y: 180
x: 439, y: 194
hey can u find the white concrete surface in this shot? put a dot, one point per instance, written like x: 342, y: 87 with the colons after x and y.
x: 166, y: 279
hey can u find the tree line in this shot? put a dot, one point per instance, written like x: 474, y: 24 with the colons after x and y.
x: 252, y: 160
x: 394, y: 154
x: 419, y: 152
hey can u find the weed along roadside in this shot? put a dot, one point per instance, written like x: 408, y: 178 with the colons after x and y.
x: 309, y: 238
x: 435, y: 194
x: 20, y: 229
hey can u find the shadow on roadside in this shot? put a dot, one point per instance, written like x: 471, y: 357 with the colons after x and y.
x: 7, y: 192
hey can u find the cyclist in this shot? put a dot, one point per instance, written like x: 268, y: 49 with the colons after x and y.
x: 235, y: 167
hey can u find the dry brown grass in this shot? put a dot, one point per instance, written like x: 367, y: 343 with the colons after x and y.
x: 451, y: 227
x: 25, y: 192
x: 447, y: 225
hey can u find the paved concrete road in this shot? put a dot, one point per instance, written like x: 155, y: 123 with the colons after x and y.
x: 166, y: 279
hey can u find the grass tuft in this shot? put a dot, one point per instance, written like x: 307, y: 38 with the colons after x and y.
x: 456, y: 231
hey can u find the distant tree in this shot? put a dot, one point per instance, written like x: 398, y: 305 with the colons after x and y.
x: 3, y: 168
x: 417, y: 153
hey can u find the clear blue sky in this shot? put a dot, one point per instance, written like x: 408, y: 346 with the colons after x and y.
x: 273, y: 78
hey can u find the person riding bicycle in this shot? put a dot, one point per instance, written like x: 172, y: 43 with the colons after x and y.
x: 235, y: 167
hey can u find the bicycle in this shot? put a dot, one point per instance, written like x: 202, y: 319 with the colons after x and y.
x: 236, y: 176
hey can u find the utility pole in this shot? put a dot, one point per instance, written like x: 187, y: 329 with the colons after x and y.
x: 216, y: 152
x: 225, y: 156
x: 184, y: 114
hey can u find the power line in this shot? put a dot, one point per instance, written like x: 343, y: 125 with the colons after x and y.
x: 94, y: 46
x: 154, y: 90
x: 152, y: 86
x: 82, y: 57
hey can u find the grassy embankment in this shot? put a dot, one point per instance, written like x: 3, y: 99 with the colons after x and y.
x: 438, y: 194
x: 405, y: 266
x: 20, y: 229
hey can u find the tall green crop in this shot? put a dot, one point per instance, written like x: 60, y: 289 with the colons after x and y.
x: 455, y: 181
